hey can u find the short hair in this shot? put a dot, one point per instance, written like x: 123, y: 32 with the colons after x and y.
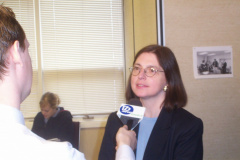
x: 10, y: 31
x: 176, y: 96
x: 49, y: 98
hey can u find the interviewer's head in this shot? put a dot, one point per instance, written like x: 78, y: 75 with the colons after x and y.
x: 10, y: 31
x: 15, y: 61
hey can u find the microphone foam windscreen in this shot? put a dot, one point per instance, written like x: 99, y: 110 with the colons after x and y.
x: 135, y: 102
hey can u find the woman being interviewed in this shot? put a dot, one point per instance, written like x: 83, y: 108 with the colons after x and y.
x: 167, y: 131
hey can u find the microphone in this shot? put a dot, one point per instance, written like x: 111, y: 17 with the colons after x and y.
x: 131, y: 113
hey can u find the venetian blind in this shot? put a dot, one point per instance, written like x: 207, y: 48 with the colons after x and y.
x: 83, y: 53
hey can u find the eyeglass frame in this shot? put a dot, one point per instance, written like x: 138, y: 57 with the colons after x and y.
x: 155, y: 70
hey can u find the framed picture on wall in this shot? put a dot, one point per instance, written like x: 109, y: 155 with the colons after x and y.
x: 212, y: 62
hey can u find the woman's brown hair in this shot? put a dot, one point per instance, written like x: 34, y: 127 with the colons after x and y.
x: 176, y: 96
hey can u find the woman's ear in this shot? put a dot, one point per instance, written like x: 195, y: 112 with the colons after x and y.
x: 15, y: 53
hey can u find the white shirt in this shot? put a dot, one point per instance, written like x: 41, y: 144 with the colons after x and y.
x: 18, y: 142
x: 125, y: 152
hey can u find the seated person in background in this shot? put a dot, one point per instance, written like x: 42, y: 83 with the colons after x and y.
x: 203, y: 66
x: 53, y: 121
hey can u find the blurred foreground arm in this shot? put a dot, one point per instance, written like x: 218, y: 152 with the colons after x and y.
x: 126, y: 143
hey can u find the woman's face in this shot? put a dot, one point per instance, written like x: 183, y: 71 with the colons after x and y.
x: 47, y: 111
x: 148, y: 87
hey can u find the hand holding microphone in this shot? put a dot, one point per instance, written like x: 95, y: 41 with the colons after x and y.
x: 125, y: 137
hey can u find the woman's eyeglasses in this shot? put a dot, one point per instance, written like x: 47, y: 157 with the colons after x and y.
x: 149, y: 71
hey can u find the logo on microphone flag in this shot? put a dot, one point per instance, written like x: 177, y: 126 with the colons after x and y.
x: 126, y: 109
x: 131, y: 113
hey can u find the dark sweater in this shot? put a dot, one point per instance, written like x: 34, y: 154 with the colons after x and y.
x: 60, y: 127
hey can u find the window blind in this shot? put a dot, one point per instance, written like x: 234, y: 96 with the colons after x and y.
x: 82, y: 54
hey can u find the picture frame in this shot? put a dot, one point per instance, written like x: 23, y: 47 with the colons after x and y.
x: 213, y: 62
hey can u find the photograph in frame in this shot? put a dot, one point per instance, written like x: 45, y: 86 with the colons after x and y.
x: 212, y: 62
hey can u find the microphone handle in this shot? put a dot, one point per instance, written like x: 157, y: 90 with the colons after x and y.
x: 129, y: 124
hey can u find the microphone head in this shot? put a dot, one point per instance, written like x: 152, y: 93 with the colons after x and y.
x: 135, y: 102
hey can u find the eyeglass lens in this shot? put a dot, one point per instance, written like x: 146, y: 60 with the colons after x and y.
x: 149, y: 71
